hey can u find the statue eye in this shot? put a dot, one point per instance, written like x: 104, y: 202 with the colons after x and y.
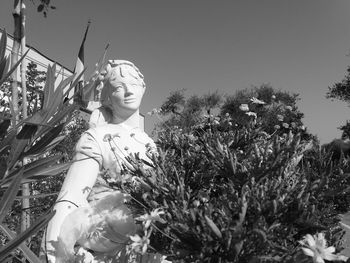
x: 117, y: 88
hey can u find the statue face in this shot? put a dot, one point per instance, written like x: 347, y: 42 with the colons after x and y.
x: 126, y: 90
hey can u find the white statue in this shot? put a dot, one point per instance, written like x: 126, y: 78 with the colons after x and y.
x: 89, y: 214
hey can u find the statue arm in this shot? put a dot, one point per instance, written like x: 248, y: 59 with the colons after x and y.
x: 76, y: 187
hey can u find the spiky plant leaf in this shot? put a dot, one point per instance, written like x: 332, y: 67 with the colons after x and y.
x: 56, y: 141
x: 20, y: 142
x: 31, y: 257
x: 4, y: 65
x: 3, y: 42
x: 9, y: 196
x: 4, y: 125
x: 53, y: 170
x: 14, y: 243
x: 31, y: 169
x: 49, y: 88
x: 8, y: 74
x: 40, y: 145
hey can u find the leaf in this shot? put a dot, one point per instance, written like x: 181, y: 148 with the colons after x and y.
x: 16, y: 242
x: 56, y: 101
x: 4, y: 65
x: 3, y: 167
x: 50, y: 146
x: 3, y: 42
x: 76, y: 81
x: 67, y: 109
x: 40, y: 145
x: 4, y: 126
x: 40, y: 8
x: 52, y: 170
x: 32, y: 168
x: 8, y: 197
x: 49, y: 87
x: 7, y: 140
x: 213, y: 227
x: 27, y: 132
x: 4, y: 78
x: 31, y: 257
x: 20, y: 142
x: 63, y: 84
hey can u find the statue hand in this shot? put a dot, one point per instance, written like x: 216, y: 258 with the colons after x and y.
x: 84, y: 256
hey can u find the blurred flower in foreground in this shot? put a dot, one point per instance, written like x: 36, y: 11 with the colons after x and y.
x: 315, y: 247
x: 276, y: 127
x: 289, y: 108
x: 244, y: 107
x: 163, y: 260
x: 280, y: 117
x: 257, y: 101
x: 250, y: 113
x: 285, y: 125
x: 139, y: 244
x: 148, y: 218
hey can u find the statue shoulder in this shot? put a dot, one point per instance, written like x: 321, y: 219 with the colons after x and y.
x: 100, y: 117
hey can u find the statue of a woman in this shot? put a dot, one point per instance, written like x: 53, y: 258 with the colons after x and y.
x: 89, y: 214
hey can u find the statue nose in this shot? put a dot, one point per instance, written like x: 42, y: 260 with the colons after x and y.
x: 128, y: 90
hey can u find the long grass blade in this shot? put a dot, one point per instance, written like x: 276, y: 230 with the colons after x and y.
x: 31, y: 168
x: 14, y: 243
x: 45, y: 140
x: 20, y: 142
x: 10, y: 194
x: 3, y: 42
x: 31, y: 257
x: 8, y: 74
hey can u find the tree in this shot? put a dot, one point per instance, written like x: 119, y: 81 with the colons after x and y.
x: 185, y: 113
x: 341, y: 91
x: 35, y: 79
x: 277, y: 111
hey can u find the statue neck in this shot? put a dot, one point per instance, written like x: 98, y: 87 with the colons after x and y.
x: 133, y: 121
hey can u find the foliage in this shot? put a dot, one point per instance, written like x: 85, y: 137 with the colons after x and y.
x: 341, y: 91
x: 276, y: 111
x: 231, y: 193
x: 345, y: 130
x: 34, y: 83
x: 30, y: 138
x: 44, y: 6
x: 35, y: 79
x: 185, y: 113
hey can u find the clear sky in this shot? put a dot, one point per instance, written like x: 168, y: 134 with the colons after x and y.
x: 299, y: 46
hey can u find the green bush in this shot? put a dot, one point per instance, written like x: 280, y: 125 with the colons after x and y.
x: 235, y: 194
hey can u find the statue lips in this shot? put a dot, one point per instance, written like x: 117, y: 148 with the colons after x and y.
x: 129, y: 100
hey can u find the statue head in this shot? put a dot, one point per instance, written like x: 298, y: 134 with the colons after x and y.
x: 122, y: 89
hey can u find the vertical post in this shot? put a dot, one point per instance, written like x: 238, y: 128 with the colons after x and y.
x: 14, y: 58
x: 23, y: 64
x: 25, y: 222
